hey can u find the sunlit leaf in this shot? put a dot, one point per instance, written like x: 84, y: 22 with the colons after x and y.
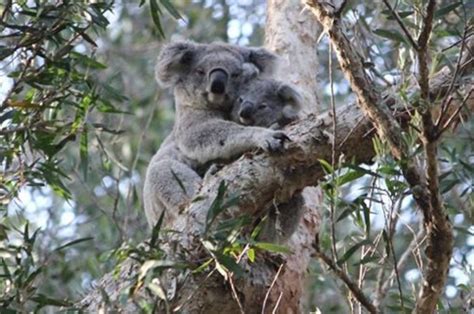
x: 272, y: 247
x: 251, y: 255
x: 326, y: 166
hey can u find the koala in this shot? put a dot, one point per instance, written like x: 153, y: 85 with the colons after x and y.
x: 170, y: 182
x: 267, y: 103
x: 282, y: 106
x: 206, y: 79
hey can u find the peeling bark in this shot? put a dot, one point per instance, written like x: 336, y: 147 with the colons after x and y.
x: 292, y: 32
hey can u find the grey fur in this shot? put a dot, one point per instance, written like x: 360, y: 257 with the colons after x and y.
x: 267, y: 103
x: 282, y: 219
x: 201, y: 133
x: 170, y: 182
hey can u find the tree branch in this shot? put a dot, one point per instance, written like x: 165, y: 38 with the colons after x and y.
x: 356, y: 291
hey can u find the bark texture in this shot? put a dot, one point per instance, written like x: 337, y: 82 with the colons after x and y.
x: 292, y: 32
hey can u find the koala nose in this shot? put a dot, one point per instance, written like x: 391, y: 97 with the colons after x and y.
x: 218, y: 81
x: 246, y: 110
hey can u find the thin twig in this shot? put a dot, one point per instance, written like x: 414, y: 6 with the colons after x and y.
x: 235, y: 295
x: 341, y: 8
x: 333, y: 160
x: 445, y: 103
x: 453, y: 117
x: 397, y: 273
x: 416, y: 242
x: 358, y: 294
x: 267, y: 295
x: 277, y: 304
x: 402, y: 25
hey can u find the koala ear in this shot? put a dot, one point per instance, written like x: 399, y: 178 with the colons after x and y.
x: 293, y: 101
x: 175, y: 60
x: 264, y: 60
x: 249, y: 72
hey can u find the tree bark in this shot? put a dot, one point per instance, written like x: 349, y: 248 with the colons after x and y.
x: 292, y: 32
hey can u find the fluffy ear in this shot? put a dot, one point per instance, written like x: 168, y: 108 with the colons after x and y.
x: 293, y: 101
x: 175, y: 60
x: 263, y: 59
x: 249, y: 72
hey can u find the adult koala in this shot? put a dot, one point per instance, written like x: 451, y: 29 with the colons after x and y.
x: 206, y: 79
x: 272, y: 104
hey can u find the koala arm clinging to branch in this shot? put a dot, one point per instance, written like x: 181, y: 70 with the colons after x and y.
x: 217, y: 139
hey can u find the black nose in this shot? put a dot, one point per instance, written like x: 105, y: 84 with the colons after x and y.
x: 218, y: 81
x: 246, y: 110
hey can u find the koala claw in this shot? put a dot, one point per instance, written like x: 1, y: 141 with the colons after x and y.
x: 282, y: 136
x: 276, y: 143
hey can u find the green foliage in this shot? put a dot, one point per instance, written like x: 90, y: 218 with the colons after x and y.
x: 21, y: 272
x: 81, y: 116
x: 54, y: 89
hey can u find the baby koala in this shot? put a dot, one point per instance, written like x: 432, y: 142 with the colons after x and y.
x: 267, y: 103
x: 272, y: 104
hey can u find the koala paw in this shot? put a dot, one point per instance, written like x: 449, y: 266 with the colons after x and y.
x: 274, y: 141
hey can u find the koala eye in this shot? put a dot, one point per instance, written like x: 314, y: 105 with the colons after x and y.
x: 235, y: 75
x: 262, y: 106
x: 200, y: 71
x: 241, y: 100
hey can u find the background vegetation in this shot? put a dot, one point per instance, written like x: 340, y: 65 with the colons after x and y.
x: 81, y: 116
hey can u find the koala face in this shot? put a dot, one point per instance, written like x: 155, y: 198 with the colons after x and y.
x: 209, y: 74
x: 266, y: 103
